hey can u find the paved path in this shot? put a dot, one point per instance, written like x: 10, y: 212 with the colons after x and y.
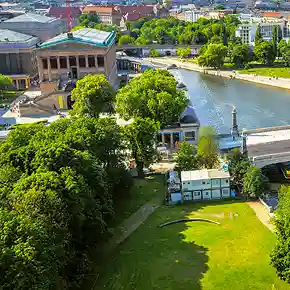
x: 281, y: 82
x: 132, y: 223
x: 262, y: 214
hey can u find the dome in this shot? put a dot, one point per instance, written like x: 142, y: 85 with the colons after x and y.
x: 189, y: 116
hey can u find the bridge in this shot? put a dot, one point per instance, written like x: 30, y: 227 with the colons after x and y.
x: 168, y: 49
x: 266, y: 146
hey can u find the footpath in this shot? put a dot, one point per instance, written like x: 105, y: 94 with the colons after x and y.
x: 262, y: 214
x: 268, y: 81
x: 132, y: 223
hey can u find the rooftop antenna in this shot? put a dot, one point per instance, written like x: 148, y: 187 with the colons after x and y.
x: 68, y: 16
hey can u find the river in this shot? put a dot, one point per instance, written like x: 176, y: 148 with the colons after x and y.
x: 257, y: 106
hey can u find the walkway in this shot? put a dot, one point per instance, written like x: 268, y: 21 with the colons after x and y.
x: 262, y: 214
x: 132, y: 223
x: 281, y: 82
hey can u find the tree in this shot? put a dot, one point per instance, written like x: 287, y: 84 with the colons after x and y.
x: 5, y: 84
x: 258, y: 35
x: 219, y: 7
x: 275, y: 38
x: 184, y: 52
x: 93, y: 95
x: 153, y: 53
x: 238, y: 167
x: 89, y: 20
x: 253, y: 182
x: 280, y: 257
x: 153, y: 95
x: 207, y: 148
x: 141, y: 135
x: 186, y: 159
x: 279, y: 33
x: 126, y: 39
x: 240, y: 54
x: 284, y: 51
x: 213, y: 56
x: 264, y: 52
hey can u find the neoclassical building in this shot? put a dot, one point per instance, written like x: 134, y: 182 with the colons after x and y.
x: 73, y: 55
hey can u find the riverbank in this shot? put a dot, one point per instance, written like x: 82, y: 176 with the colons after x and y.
x: 268, y: 81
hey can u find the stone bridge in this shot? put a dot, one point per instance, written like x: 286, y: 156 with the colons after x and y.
x: 266, y: 146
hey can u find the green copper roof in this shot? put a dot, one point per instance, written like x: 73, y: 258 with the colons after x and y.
x: 86, y: 36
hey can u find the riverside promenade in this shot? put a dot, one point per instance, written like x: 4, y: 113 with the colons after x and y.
x: 268, y: 81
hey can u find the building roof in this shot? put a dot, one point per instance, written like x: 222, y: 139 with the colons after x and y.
x: 86, y: 36
x: 189, y: 116
x: 31, y: 17
x: 132, y: 16
x: 268, y: 142
x: 141, y: 9
x: 272, y: 14
x: 9, y: 36
x: 98, y: 9
x: 203, y: 174
x: 60, y: 12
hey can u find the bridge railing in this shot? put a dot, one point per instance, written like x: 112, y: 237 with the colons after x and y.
x: 263, y: 160
x: 267, y: 129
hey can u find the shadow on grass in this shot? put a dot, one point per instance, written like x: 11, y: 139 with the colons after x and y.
x: 154, y: 258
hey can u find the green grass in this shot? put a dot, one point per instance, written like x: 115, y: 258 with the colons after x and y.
x: 197, y: 255
x: 280, y: 72
x: 143, y: 191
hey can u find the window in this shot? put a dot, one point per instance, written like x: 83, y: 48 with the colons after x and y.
x: 82, y: 61
x: 44, y: 63
x: 53, y: 62
x: 188, y: 182
x: 63, y: 62
x: 101, y: 61
x: 72, y: 61
x: 203, y: 182
x: 227, y: 181
x: 189, y: 135
x: 91, y: 61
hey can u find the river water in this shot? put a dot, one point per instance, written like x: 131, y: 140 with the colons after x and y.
x: 257, y: 106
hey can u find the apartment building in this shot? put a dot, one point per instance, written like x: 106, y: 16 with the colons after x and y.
x: 192, y: 15
x: 107, y: 14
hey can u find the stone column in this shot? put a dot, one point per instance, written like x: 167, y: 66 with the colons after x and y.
x: 171, y: 141
x: 58, y: 62
x: 78, y: 66
x: 163, y: 139
x: 40, y: 68
x: 17, y: 84
x: 27, y: 83
x: 87, y: 61
x: 49, y: 69
x: 96, y: 62
x: 67, y: 63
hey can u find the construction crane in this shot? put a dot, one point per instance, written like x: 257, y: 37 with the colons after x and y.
x: 68, y: 16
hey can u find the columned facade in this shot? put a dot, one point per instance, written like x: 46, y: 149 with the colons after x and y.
x: 73, y: 55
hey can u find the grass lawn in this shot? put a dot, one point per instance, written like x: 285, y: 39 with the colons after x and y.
x: 280, y: 72
x: 197, y: 255
x: 143, y: 191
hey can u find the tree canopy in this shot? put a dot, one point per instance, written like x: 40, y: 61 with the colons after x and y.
x: 58, y: 186
x: 148, y: 96
x: 141, y: 135
x: 93, y: 95
x: 186, y: 159
x: 253, y: 182
x: 280, y: 257
x: 207, y: 148
x: 213, y: 56
x: 5, y: 84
